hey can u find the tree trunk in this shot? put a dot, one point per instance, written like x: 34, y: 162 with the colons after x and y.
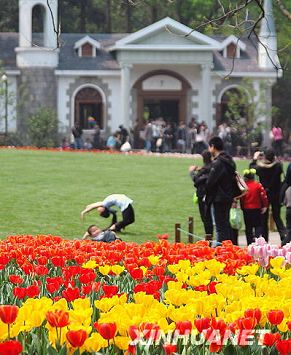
x: 128, y: 17
x: 83, y: 19
x: 108, y: 26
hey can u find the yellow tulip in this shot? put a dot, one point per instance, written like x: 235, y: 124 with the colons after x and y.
x: 248, y: 269
x: 154, y: 259
x: 105, y: 270
x: 277, y: 262
x: 117, y: 269
x: 174, y: 268
x: 90, y: 264
x: 122, y: 342
x: 143, y: 298
x: 94, y: 343
x: 283, y: 327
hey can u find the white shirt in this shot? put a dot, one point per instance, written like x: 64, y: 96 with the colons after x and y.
x: 119, y: 200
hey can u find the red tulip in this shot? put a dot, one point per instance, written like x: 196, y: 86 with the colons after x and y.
x: 275, y: 317
x: 110, y: 290
x: 57, y: 318
x: 271, y: 338
x: 184, y: 327
x: 136, y: 274
x: 289, y: 325
x: 32, y: 291
x: 133, y: 332
x: 58, y: 261
x: 131, y: 349
x: 8, y: 313
x: 255, y: 313
x: 19, y: 292
x: 76, y: 337
x: 214, y: 347
x: 71, y: 294
x: 202, y: 324
x: 106, y: 330
x: 170, y: 348
x: 15, y: 279
x: 284, y: 347
x: 41, y: 270
x: 150, y: 330
x: 247, y: 323
x: 10, y: 347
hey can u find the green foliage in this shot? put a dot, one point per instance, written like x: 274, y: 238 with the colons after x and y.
x: 245, y: 108
x: 43, y: 128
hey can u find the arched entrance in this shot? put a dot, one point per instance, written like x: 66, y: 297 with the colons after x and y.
x: 89, y: 108
x: 162, y: 93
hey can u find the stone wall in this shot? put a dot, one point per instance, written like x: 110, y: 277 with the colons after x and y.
x: 37, y: 88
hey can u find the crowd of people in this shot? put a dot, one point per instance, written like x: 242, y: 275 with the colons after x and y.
x: 158, y: 135
x: 216, y: 186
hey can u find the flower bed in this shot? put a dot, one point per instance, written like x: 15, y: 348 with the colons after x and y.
x: 63, y: 297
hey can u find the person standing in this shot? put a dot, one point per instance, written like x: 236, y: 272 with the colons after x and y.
x: 199, y: 177
x: 277, y: 136
x: 121, y: 201
x: 220, y: 188
x: 148, y: 136
x: 253, y: 204
x: 77, y: 133
x: 269, y: 171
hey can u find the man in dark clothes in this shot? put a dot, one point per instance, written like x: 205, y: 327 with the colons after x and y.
x: 269, y: 171
x: 220, y: 188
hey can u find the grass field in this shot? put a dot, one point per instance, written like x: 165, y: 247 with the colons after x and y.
x: 43, y: 192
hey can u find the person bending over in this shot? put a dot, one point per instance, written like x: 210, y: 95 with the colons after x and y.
x: 121, y: 201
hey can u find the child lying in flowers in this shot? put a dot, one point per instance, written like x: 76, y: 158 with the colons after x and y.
x: 98, y: 235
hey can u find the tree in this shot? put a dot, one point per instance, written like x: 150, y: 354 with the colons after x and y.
x: 245, y: 109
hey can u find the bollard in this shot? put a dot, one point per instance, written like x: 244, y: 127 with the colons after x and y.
x: 190, y: 229
x: 177, y: 233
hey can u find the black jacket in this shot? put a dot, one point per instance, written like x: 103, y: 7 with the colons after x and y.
x: 221, y: 179
x: 269, y: 174
x: 199, y: 178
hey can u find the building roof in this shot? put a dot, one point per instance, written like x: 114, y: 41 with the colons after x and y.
x: 106, y: 59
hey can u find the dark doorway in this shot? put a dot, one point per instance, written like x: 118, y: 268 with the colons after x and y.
x: 88, y: 111
x: 167, y: 109
x: 88, y: 108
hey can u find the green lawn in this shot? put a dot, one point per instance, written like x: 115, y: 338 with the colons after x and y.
x: 43, y: 192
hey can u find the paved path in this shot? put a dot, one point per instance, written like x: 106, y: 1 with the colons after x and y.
x: 274, y: 238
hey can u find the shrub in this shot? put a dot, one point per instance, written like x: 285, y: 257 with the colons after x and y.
x: 43, y: 128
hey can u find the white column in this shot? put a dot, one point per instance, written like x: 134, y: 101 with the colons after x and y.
x: 125, y: 94
x: 206, y: 101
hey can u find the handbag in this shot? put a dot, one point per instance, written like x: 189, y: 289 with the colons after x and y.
x: 240, y: 186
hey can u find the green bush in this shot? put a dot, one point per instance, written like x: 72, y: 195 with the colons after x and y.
x: 43, y: 128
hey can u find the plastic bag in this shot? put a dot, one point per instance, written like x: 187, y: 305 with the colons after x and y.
x: 195, y: 198
x: 235, y: 218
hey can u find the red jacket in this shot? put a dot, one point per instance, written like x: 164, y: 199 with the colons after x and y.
x: 255, y: 198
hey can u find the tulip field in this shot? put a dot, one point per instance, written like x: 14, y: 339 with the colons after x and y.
x: 62, y: 296
x: 142, y: 295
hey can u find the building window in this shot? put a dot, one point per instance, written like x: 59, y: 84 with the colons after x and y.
x: 231, y: 50
x: 87, y: 50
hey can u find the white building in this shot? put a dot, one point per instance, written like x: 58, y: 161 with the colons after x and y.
x: 164, y: 70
